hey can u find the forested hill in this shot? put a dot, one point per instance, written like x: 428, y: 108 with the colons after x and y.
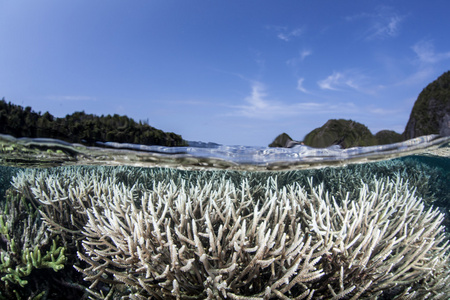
x: 80, y: 127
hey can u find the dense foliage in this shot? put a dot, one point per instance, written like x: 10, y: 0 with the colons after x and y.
x: 281, y: 141
x: 430, y: 115
x: 385, y: 137
x: 430, y: 109
x: 80, y: 127
x: 346, y: 133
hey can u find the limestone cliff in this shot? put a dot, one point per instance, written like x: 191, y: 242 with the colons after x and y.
x: 284, y: 141
x: 431, y: 111
x: 346, y: 133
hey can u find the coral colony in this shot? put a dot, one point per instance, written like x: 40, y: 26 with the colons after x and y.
x: 208, y: 235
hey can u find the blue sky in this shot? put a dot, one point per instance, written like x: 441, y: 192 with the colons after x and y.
x: 231, y: 72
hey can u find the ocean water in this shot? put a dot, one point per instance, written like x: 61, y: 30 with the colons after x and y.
x: 123, y: 221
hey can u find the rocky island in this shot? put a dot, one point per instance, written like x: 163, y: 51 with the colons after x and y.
x: 430, y: 115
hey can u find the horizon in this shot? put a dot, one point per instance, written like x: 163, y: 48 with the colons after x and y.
x: 232, y: 73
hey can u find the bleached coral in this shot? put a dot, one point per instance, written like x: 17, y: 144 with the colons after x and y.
x: 205, y: 242
x: 195, y: 237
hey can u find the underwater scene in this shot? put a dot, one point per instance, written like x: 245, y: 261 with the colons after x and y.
x: 124, y: 221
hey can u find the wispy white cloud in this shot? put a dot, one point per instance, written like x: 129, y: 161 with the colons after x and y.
x: 298, y: 59
x: 386, y: 26
x: 332, y: 82
x: 427, y: 61
x: 420, y: 77
x: 190, y: 102
x: 426, y: 53
x: 259, y: 105
x: 304, y: 54
x: 257, y: 97
x: 287, y: 34
x: 70, y: 98
x: 382, y: 111
x: 300, y: 86
x: 349, y: 79
x: 383, y: 23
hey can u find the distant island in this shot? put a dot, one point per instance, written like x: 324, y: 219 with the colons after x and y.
x: 430, y: 115
x: 80, y: 127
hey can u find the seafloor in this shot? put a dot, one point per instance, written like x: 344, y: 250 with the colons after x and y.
x: 374, y: 230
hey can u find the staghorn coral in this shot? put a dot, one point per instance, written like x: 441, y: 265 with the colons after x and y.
x: 6, y: 173
x: 429, y: 180
x: 27, y: 247
x: 196, y: 237
x: 218, y: 242
x: 189, y: 242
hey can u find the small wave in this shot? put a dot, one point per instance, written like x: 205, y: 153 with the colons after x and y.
x: 55, y: 152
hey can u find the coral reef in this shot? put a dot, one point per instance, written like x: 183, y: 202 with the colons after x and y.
x: 169, y: 234
x: 6, y: 173
x: 26, y: 246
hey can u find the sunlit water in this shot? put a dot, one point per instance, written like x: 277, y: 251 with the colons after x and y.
x: 424, y: 162
x: 49, y: 152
